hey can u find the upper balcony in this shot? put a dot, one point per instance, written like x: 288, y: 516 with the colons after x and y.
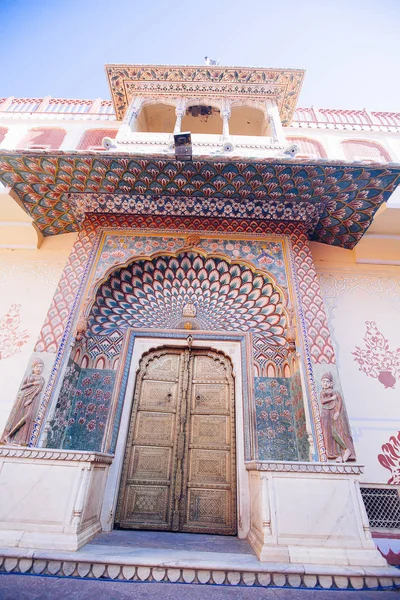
x: 217, y: 126
x: 220, y: 126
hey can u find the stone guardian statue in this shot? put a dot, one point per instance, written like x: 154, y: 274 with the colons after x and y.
x: 335, y: 425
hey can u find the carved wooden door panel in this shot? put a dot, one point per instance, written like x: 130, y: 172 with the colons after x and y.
x: 146, y: 493
x: 209, y: 503
x: 179, y: 470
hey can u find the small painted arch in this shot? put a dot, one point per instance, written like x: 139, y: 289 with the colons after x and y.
x: 270, y: 369
x: 92, y: 139
x: 42, y: 138
x: 365, y: 150
x: 309, y: 147
x: 100, y: 362
x: 226, y: 296
x: 286, y: 372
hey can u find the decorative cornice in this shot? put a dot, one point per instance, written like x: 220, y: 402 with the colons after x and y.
x: 306, y: 467
x: 128, y: 81
x: 49, y: 454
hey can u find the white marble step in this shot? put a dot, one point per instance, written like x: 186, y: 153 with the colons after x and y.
x: 131, y: 563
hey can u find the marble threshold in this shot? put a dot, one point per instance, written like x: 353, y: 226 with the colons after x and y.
x: 236, y: 565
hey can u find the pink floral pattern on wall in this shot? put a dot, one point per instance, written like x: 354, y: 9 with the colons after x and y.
x: 377, y: 359
x: 12, y: 337
x: 390, y: 458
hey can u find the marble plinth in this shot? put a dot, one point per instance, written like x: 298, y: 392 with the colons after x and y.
x: 309, y: 513
x: 50, y: 498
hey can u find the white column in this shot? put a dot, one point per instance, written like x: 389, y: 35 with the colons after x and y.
x: 180, y: 113
x: 274, y: 119
x: 43, y: 105
x: 131, y: 115
x: 6, y: 104
x: 226, y: 115
x: 95, y: 106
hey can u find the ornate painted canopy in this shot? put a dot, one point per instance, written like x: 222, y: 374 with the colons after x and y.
x: 127, y: 81
x: 336, y: 202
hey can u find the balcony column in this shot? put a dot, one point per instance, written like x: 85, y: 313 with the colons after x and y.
x: 273, y: 117
x: 226, y: 115
x: 180, y: 113
x: 131, y: 116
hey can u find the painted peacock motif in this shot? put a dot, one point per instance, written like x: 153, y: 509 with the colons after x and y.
x: 154, y: 293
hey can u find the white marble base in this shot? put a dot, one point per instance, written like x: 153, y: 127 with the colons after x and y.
x: 212, y: 568
x: 309, y: 513
x: 50, y: 498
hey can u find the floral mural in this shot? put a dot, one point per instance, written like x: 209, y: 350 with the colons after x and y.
x: 82, y: 409
x: 267, y: 255
x: 299, y: 417
x: 89, y: 410
x: 12, y: 336
x: 377, y: 359
x: 390, y: 458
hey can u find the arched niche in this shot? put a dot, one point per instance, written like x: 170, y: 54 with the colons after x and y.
x: 308, y: 148
x: 202, y: 118
x: 365, y: 150
x: 248, y: 120
x: 156, y: 118
x: 43, y: 138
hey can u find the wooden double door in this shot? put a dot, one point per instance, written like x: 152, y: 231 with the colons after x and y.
x: 179, y: 471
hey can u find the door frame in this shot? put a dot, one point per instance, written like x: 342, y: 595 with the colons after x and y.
x: 233, y: 349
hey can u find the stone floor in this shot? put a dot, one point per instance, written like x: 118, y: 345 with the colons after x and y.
x: 165, y: 540
x: 29, y: 587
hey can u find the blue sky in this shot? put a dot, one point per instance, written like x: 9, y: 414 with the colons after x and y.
x: 350, y: 48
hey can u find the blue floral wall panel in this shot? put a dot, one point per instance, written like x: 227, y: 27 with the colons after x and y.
x: 89, y: 411
x: 275, y: 420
